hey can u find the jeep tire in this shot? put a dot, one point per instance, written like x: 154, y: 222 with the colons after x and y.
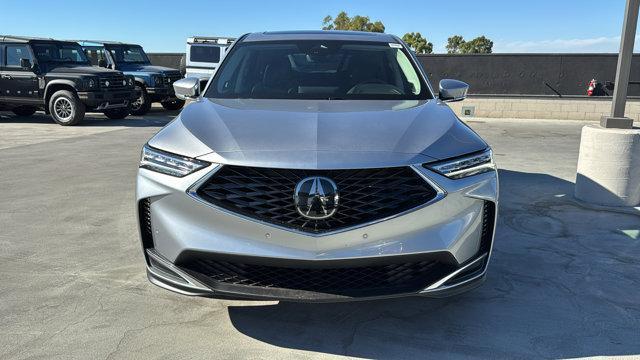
x: 24, y: 110
x: 66, y: 108
x: 141, y: 105
x: 117, y: 114
x: 175, y: 104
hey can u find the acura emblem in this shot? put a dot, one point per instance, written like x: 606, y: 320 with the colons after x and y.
x: 316, y: 197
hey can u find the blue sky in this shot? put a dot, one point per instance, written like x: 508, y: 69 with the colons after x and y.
x: 161, y: 26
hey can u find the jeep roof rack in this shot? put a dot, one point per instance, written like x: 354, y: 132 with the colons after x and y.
x: 22, y: 38
x: 100, y: 42
x: 220, y: 40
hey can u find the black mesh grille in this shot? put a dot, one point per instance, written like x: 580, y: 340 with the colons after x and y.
x: 488, y: 220
x: 365, y: 194
x: 144, y: 215
x: 352, y: 281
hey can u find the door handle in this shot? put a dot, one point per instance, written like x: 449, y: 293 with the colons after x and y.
x: 7, y: 77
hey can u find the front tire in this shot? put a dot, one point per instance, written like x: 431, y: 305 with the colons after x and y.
x: 66, y: 108
x: 24, y: 110
x: 117, y: 114
x: 175, y: 104
x: 141, y: 105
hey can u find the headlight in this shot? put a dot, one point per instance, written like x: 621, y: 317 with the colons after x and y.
x: 130, y: 81
x: 168, y: 163
x: 464, y: 166
x: 157, y: 79
x: 91, y: 83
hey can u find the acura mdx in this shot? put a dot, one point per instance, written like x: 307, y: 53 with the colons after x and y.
x: 317, y: 166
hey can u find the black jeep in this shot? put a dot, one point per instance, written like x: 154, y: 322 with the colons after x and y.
x: 56, y: 76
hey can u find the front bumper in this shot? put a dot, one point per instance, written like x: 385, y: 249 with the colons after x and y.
x: 181, y: 233
x: 103, y: 100
x: 161, y: 93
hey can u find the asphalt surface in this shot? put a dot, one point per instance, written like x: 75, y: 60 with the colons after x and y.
x: 564, y: 280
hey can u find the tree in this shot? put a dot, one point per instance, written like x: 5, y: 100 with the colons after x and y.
x: 418, y: 43
x: 454, y: 44
x: 357, y: 23
x: 480, y: 45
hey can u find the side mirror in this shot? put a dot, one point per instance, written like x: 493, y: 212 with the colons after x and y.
x: 187, y: 88
x: 102, y: 63
x: 25, y: 63
x: 453, y: 90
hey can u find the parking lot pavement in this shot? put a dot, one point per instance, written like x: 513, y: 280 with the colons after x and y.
x: 28, y: 130
x: 564, y: 280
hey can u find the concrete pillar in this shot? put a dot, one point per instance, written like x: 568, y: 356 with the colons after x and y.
x: 609, y: 166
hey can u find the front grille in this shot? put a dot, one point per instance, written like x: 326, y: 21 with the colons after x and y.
x: 116, y: 82
x: 374, y: 280
x: 169, y: 79
x: 366, y: 195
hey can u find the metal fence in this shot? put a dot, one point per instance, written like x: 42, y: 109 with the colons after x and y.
x: 509, y: 74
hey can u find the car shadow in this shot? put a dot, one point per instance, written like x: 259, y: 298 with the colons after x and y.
x: 155, y: 117
x: 564, y: 281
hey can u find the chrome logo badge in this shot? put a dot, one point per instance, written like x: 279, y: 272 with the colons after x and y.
x: 316, y: 197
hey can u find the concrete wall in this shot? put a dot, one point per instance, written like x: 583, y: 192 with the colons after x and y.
x: 535, y: 108
x: 171, y: 60
x: 528, y: 74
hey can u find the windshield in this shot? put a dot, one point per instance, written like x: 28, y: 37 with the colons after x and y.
x: 128, y: 54
x: 60, y: 52
x: 318, y: 70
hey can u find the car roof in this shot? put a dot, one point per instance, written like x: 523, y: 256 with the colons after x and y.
x: 22, y: 39
x: 321, y: 35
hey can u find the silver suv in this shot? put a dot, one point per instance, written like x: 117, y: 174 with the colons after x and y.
x: 317, y: 166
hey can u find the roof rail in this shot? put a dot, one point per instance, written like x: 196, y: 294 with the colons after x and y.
x: 221, y: 40
x: 21, y: 38
x: 102, y: 42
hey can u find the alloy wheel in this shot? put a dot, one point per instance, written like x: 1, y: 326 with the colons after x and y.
x: 63, y: 108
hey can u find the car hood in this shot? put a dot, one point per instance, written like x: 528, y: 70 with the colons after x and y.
x: 81, y: 70
x: 318, y: 134
x: 151, y: 69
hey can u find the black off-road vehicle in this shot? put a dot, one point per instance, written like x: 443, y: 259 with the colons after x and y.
x: 56, y: 76
x: 153, y: 83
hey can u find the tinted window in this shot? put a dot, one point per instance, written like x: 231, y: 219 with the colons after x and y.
x: 60, y: 52
x: 318, y: 70
x: 95, y: 55
x: 132, y: 54
x: 17, y: 52
x: 201, y: 53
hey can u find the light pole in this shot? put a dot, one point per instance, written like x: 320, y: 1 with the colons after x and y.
x: 609, y: 160
x: 617, y: 119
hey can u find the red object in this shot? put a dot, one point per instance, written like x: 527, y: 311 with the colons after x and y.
x: 592, y: 87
